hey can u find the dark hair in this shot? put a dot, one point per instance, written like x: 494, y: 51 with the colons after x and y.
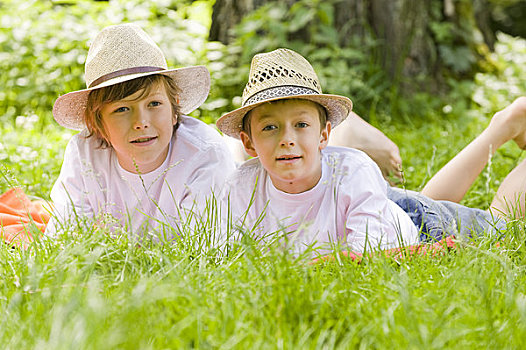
x: 322, y: 114
x: 99, y: 97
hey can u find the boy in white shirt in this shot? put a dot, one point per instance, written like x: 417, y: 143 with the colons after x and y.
x: 139, y: 162
x: 321, y: 195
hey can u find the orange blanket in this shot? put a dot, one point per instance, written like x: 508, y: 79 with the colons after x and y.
x: 18, y: 214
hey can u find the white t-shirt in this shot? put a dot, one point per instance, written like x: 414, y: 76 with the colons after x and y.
x: 93, y: 184
x: 348, y: 206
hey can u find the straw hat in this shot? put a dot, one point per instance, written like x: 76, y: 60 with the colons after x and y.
x: 124, y: 52
x: 282, y: 74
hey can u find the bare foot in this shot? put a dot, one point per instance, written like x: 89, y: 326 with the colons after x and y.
x: 511, y: 121
x: 357, y: 133
x: 387, y: 155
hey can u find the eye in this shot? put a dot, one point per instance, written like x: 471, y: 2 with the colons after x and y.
x: 155, y: 103
x: 302, y: 125
x: 120, y: 109
x: 269, y: 127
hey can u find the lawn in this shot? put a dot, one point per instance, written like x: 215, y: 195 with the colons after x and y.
x: 89, y: 290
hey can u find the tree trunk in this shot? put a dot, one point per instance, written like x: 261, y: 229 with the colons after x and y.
x: 408, y: 47
x: 226, y: 14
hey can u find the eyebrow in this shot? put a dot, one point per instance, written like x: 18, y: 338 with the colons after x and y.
x: 157, y: 93
x: 263, y: 117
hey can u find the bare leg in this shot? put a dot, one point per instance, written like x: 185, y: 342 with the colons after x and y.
x: 510, y: 199
x: 456, y: 177
x: 357, y: 133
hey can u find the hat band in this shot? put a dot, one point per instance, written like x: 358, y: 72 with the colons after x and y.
x: 279, y: 91
x: 122, y: 72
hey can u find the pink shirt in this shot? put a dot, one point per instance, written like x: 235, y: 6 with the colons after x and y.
x: 92, y: 184
x: 348, y: 206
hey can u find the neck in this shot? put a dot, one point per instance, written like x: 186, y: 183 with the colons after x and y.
x: 298, y: 185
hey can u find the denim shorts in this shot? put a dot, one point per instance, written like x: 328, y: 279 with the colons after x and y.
x: 439, y: 219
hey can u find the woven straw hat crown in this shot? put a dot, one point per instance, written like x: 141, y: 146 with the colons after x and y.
x: 282, y: 74
x: 281, y: 67
x: 121, y: 53
x: 136, y: 49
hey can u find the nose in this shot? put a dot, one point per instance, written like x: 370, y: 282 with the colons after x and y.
x: 141, y: 120
x: 287, y: 138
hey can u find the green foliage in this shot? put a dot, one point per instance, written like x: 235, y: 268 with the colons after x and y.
x: 43, y: 45
x: 308, y: 28
x: 39, y: 58
x: 507, y: 81
x: 507, y: 16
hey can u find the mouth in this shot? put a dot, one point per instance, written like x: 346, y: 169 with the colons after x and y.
x: 143, y: 139
x: 288, y: 157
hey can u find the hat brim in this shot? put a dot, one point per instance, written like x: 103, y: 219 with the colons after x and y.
x: 338, y: 108
x: 194, y: 83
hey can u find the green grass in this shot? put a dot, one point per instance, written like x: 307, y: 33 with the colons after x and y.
x: 87, y: 290
x: 92, y: 291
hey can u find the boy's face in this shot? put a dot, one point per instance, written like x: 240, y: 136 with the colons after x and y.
x: 287, y: 137
x: 140, y: 130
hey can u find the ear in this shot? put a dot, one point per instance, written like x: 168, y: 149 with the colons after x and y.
x: 324, y: 136
x: 247, y: 143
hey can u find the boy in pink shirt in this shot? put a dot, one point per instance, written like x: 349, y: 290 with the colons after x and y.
x: 316, y: 194
x: 139, y: 164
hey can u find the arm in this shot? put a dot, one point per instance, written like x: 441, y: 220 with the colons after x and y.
x: 68, y: 193
x: 418, y: 250
x: 373, y: 221
x: 236, y: 148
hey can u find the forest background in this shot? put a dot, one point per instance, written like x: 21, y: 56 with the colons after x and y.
x: 430, y: 74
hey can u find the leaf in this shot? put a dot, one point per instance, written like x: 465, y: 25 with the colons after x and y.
x: 301, y: 17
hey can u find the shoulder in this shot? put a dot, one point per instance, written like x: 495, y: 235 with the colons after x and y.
x: 200, y: 153
x: 353, y: 169
x: 85, y: 149
x: 349, y: 158
x: 247, y: 171
x: 246, y: 182
x: 200, y: 144
x: 244, y: 178
x: 198, y: 134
